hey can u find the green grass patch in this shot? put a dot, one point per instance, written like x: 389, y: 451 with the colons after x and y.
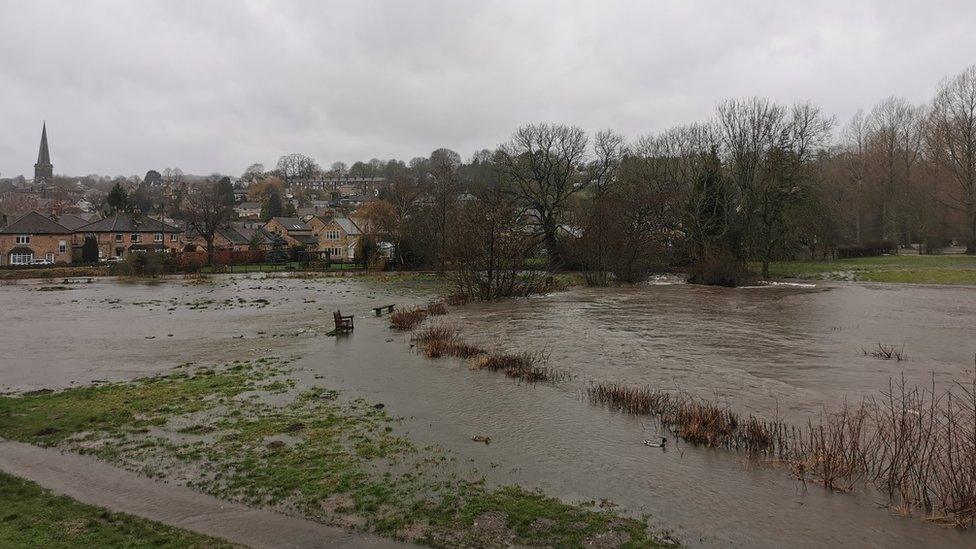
x: 244, y: 432
x: 917, y: 269
x: 31, y: 516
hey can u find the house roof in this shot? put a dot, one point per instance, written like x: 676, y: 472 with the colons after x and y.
x: 72, y: 221
x: 348, y: 225
x: 35, y: 223
x: 233, y: 235
x: 292, y: 223
x: 128, y: 223
x: 305, y: 238
x: 249, y: 205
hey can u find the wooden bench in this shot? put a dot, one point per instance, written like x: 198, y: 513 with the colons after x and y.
x: 379, y: 310
x: 78, y: 280
x: 343, y: 324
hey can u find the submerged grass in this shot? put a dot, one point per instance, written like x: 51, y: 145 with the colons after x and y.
x: 917, y: 269
x: 34, y: 517
x: 244, y: 432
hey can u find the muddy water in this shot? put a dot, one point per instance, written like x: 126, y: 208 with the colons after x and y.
x: 793, y: 348
x: 109, y: 330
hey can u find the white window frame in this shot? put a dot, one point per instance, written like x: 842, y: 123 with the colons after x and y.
x: 21, y: 259
x: 119, y: 237
x: 135, y: 237
x: 23, y: 239
x: 49, y: 257
x: 172, y: 237
x: 62, y: 246
x: 158, y: 237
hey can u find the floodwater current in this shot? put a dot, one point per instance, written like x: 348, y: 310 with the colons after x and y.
x: 786, y: 350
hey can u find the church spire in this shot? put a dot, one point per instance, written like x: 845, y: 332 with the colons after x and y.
x: 43, y: 169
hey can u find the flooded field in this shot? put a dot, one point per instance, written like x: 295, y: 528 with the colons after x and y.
x: 791, y: 349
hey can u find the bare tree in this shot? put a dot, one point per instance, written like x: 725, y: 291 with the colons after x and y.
x: 296, y: 166
x: 550, y: 163
x: 952, y: 138
x: 208, y: 210
x: 895, y: 146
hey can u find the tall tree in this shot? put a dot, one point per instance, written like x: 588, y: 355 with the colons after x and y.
x: 118, y: 199
x: 547, y: 164
x: 296, y: 166
x: 206, y: 213
x: 952, y: 138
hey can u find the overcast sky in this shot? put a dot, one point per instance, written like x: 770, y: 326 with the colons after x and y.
x: 213, y: 86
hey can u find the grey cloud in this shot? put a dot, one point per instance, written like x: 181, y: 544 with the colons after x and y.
x: 216, y: 85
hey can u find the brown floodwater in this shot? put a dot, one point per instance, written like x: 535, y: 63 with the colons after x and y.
x: 787, y: 348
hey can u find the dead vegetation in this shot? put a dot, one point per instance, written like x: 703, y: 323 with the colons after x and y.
x: 407, y: 319
x: 886, y: 352
x: 524, y: 366
x: 435, y: 341
x: 915, y: 444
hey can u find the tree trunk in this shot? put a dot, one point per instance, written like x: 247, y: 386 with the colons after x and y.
x: 971, y: 226
x: 765, y: 268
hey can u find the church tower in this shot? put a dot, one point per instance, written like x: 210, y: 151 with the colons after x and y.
x: 43, y: 170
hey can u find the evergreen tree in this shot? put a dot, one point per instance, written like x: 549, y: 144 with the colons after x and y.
x: 118, y: 199
x: 272, y: 207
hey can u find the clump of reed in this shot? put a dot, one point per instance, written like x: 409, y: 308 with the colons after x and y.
x: 916, y: 444
x: 524, y: 366
x: 435, y: 341
x: 436, y: 308
x: 408, y: 318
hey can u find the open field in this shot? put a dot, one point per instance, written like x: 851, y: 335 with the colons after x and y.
x: 34, y: 517
x: 915, y: 269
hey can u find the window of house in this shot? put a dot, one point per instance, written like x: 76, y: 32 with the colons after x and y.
x: 172, y: 237
x: 49, y: 256
x: 62, y: 247
x: 118, y: 252
x: 336, y: 252
x: 158, y: 237
x: 135, y: 237
x: 23, y: 239
x: 21, y: 259
x: 118, y: 238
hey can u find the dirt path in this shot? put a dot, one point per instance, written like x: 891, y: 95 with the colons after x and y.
x: 97, y: 483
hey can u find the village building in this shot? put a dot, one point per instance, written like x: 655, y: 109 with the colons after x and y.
x: 295, y: 232
x: 337, y: 236
x: 122, y: 234
x: 248, y: 210
x: 35, y: 238
x: 227, y: 237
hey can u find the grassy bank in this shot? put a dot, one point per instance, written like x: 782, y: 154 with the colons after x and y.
x: 244, y: 432
x: 917, y: 269
x: 55, y: 272
x: 33, y: 517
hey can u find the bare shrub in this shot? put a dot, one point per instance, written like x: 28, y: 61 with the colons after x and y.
x: 886, y: 352
x: 436, y: 308
x: 407, y: 319
x: 524, y: 366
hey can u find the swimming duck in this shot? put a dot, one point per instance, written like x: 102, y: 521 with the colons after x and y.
x: 652, y: 444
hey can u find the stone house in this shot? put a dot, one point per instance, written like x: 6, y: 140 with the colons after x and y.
x: 338, y: 236
x: 295, y: 232
x: 35, y: 236
x: 122, y: 234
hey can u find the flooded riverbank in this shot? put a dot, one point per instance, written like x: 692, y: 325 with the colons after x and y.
x: 795, y: 349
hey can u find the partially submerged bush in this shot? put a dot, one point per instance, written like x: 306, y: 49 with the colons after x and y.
x: 407, y: 319
x: 436, y: 308
x: 524, y: 366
